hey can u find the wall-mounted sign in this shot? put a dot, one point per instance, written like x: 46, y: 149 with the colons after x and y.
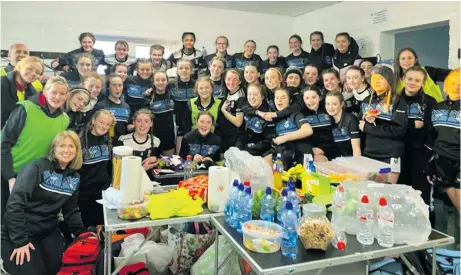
x: 379, y: 16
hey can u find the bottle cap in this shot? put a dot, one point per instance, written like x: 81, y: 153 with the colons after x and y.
x: 341, y: 188
x: 382, y: 201
x: 189, y: 157
x: 247, y: 183
x: 364, y: 199
x: 235, y: 183
x: 289, y: 205
x: 268, y: 190
x: 341, y: 245
x: 284, y: 192
x: 241, y: 187
x: 279, y: 155
x: 248, y: 190
x: 291, y: 187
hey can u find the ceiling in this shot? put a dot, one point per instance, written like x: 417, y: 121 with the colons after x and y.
x: 286, y: 8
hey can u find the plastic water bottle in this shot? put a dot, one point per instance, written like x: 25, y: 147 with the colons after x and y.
x: 293, y: 198
x: 204, y: 53
x: 309, y: 163
x: 281, y: 205
x: 231, y: 199
x: 385, y: 224
x: 188, y: 167
x: 245, y: 210
x: 339, y: 241
x: 365, y: 219
x: 267, y: 212
x: 234, y: 221
x: 289, y: 235
x: 247, y: 184
x: 339, y: 206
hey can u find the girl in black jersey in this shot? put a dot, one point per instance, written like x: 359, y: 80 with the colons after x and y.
x: 274, y: 60
x: 290, y: 133
x: 144, y: 144
x: 216, y: 68
x: 248, y: 55
x: 346, y: 133
x: 77, y: 101
x: 188, y: 52
x: 95, y: 174
x: 356, y: 80
x: 315, y: 114
x: 137, y: 87
x: 93, y: 82
x: 162, y: 106
x: 84, y: 63
x: 311, y: 77
x: 298, y: 57
x: 221, y: 51
x: 181, y: 92
x: 121, y: 56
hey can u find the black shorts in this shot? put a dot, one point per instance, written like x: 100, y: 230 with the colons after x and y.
x: 447, y: 172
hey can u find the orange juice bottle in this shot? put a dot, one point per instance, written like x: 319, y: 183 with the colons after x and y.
x: 278, y: 170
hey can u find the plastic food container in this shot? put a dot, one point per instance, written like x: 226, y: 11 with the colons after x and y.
x: 262, y: 236
x: 355, y: 169
x: 119, y: 153
x: 132, y: 211
x: 314, y: 229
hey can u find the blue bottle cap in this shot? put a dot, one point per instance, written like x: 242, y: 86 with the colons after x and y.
x: 235, y: 183
x: 289, y: 205
x: 292, y: 187
x: 284, y: 192
x: 241, y: 187
x: 290, y: 181
x: 268, y: 190
x: 248, y: 190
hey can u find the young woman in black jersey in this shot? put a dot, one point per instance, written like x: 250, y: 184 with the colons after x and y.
x: 251, y: 74
x: 346, y: 54
x: 290, y: 133
x: 416, y: 155
x: 137, y: 87
x: 202, y: 144
x: 367, y: 65
x: 346, y: 133
x: 95, y: 174
x: 274, y: 60
x: 321, y: 52
x: 331, y: 82
x: 182, y: 92
x: 156, y: 58
x: 188, y: 52
x: 222, y: 43
x: 356, y: 80
x: 384, y: 121
x: 118, y: 107
x: 245, y: 57
x: 162, y: 106
x: 144, y: 144
x: 120, y: 56
x: 84, y: 63
x: 258, y: 133
x: 93, y: 82
x: 230, y: 123
x: 217, y: 68
x: 273, y: 79
x: 298, y: 57
x: 444, y: 169
x: 315, y: 114
x: 77, y: 101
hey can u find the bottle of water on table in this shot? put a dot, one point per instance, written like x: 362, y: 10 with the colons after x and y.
x: 293, y: 198
x: 231, y: 199
x: 281, y: 205
x: 234, y: 221
x: 245, y: 210
x: 267, y: 206
x: 385, y: 224
x: 188, y: 168
x: 365, y: 219
x: 289, y: 235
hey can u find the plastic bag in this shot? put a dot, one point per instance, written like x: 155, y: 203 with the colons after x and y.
x: 248, y: 167
x: 411, y: 214
x: 206, y: 263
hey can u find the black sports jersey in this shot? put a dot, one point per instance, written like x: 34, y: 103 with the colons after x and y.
x: 344, y: 131
x: 121, y: 111
x: 353, y: 104
x: 228, y: 132
x: 445, y: 129
x: 141, y: 148
x: 195, y: 57
x: 240, y: 61
x: 135, y: 88
x: 182, y: 92
x: 298, y: 61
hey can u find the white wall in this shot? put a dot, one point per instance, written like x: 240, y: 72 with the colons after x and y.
x: 55, y: 26
x: 355, y: 18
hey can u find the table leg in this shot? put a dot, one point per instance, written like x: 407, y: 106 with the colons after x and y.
x: 107, y: 252
x: 216, y: 252
x: 434, y: 265
x: 366, y: 267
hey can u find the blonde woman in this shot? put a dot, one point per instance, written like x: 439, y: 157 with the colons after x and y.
x: 31, y: 241
x: 17, y: 85
x: 29, y: 131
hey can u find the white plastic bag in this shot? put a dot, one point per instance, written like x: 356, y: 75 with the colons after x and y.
x: 248, y: 167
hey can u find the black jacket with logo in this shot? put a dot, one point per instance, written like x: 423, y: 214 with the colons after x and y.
x: 194, y: 143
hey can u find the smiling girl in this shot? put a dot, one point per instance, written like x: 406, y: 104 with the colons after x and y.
x: 93, y: 83
x: 251, y: 74
x: 30, y: 129
x: 188, y: 52
x: 137, y: 87
x: 16, y: 86
x: 222, y: 43
x: 217, y: 67
x: 245, y: 57
x: 96, y: 169
x: 356, y: 80
x: 31, y: 241
x: 121, y: 56
x: 78, y: 100
x: 274, y: 60
x: 202, y: 144
x: 298, y: 57
x: 84, y: 62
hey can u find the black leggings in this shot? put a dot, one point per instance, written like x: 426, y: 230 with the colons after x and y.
x: 91, y: 211
x: 44, y: 260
